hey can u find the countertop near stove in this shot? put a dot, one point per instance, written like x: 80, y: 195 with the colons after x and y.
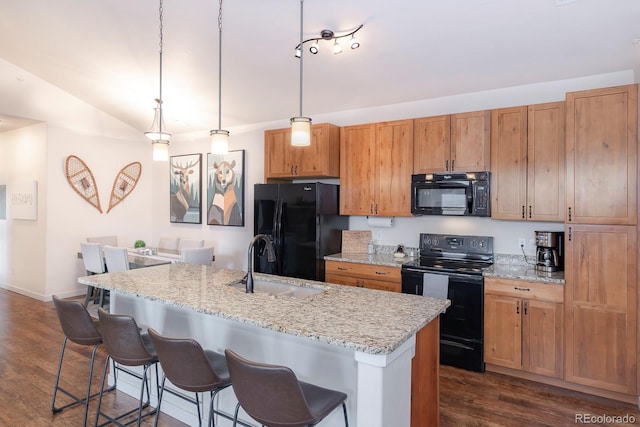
x: 373, y: 259
x: 514, y: 267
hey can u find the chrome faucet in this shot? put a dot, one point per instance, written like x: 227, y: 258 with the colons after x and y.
x: 271, y: 257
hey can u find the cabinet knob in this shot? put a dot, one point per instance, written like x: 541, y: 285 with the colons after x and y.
x: 453, y: 165
x: 446, y: 165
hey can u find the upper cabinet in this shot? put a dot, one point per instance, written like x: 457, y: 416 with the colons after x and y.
x: 321, y: 159
x: 528, y: 162
x: 375, y: 168
x: 602, y: 154
x: 452, y: 143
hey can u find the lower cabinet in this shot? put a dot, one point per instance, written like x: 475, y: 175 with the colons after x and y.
x: 381, y: 277
x: 523, y: 326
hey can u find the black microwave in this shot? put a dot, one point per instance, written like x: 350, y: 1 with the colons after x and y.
x: 451, y: 194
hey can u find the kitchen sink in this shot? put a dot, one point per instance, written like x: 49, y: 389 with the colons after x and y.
x: 279, y: 288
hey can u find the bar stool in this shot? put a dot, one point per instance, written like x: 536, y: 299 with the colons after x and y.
x: 273, y: 395
x: 128, y: 347
x: 80, y: 328
x: 191, y: 368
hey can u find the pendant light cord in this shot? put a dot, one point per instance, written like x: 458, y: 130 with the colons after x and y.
x: 220, y: 66
x: 301, y: 52
x: 161, y: 10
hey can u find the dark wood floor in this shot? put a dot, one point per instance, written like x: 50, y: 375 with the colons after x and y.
x: 30, y: 339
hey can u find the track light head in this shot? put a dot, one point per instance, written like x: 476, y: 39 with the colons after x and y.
x: 314, y: 47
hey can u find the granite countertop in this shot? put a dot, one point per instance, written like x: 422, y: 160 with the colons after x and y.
x: 374, y: 259
x: 515, y: 267
x: 370, y: 321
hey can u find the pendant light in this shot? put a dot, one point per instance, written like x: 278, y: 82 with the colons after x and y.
x: 301, y: 126
x: 159, y: 138
x: 219, y: 137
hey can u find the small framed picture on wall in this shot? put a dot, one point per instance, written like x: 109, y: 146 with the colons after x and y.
x: 185, y: 188
x: 225, y: 188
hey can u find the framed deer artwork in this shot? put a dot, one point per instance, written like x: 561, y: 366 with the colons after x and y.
x: 225, y: 188
x: 185, y: 188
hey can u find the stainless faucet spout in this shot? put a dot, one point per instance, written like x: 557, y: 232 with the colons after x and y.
x: 271, y: 257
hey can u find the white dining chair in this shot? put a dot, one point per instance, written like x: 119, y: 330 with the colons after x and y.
x: 189, y: 244
x: 171, y: 243
x: 117, y: 259
x: 202, y: 256
x: 93, y: 264
x: 104, y: 240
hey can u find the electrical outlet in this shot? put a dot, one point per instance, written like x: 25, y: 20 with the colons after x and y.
x: 522, y: 242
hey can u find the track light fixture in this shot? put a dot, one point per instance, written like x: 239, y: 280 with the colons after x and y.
x: 329, y: 35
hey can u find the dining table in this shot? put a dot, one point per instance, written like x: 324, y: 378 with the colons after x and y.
x: 150, y: 257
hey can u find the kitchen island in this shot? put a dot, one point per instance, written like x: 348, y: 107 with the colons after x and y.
x: 359, y: 341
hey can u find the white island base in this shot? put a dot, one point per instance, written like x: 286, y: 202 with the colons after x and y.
x: 379, y: 387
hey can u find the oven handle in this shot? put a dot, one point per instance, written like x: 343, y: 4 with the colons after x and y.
x: 455, y: 344
x: 475, y: 277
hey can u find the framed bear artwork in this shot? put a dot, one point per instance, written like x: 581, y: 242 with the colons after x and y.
x: 225, y: 188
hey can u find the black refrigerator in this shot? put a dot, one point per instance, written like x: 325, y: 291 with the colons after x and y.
x: 304, y: 224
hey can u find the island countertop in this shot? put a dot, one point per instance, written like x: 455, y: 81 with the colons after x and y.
x: 370, y: 321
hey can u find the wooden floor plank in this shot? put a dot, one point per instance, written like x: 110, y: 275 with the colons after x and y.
x: 30, y: 339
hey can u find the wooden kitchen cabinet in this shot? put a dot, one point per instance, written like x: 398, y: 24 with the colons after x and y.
x: 375, y: 169
x: 528, y: 163
x: 381, y: 277
x: 321, y: 159
x: 602, y: 156
x: 452, y: 143
x: 601, y: 274
x: 523, y: 326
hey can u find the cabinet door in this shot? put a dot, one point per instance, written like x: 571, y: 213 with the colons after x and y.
x: 394, y: 165
x: 546, y: 162
x: 509, y: 163
x: 601, y: 306
x: 432, y: 144
x: 470, y: 141
x: 542, y: 338
x: 322, y: 157
x: 357, y: 169
x: 503, y: 331
x: 602, y: 144
x: 277, y: 153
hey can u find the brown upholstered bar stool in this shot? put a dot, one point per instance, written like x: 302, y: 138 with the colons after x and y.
x: 273, y: 395
x: 79, y: 328
x: 127, y: 346
x: 191, y: 368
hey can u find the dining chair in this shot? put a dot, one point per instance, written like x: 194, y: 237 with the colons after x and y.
x: 273, y: 395
x: 189, y: 243
x: 191, y: 368
x: 202, y: 256
x: 104, y: 240
x: 93, y: 264
x: 117, y: 259
x: 171, y: 243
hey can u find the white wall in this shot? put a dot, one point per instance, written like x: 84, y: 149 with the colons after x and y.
x: 38, y: 258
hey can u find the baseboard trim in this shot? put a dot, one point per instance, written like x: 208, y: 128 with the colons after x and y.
x: 627, y: 398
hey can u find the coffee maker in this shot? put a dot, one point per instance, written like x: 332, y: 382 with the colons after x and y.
x: 550, y: 251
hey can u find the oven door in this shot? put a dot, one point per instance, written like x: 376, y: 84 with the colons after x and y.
x: 441, y: 198
x: 462, y: 325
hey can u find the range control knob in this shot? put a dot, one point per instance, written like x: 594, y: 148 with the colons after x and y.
x: 435, y: 241
x: 473, y: 243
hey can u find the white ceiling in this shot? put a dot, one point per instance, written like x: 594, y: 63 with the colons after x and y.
x: 106, y: 52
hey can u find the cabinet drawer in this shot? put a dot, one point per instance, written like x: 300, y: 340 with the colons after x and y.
x: 524, y: 289
x: 360, y: 282
x: 367, y: 271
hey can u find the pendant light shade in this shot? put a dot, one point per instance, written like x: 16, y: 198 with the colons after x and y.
x: 160, y: 151
x: 159, y: 138
x: 301, y: 126
x: 219, y: 137
x: 301, y: 131
x: 219, y: 141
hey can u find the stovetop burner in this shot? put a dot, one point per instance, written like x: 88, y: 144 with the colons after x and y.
x: 454, y: 253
